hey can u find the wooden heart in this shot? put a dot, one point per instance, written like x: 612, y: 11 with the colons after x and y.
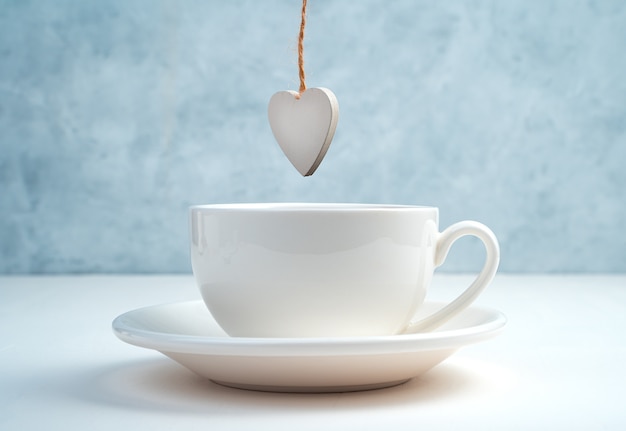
x: 304, y: 127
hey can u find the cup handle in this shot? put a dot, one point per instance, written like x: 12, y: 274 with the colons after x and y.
x: 444, y: 243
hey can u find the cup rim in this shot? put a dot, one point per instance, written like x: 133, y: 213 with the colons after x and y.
x: 308, y: 206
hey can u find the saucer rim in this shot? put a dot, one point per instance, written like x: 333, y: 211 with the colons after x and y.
x: 224, y: 345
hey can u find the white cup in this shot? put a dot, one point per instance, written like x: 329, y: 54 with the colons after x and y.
x: 325, y: 270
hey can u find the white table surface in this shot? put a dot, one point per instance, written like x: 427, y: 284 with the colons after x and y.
x: 557, y: 365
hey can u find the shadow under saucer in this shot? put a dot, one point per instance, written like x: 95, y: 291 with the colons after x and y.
x: 161, y: 385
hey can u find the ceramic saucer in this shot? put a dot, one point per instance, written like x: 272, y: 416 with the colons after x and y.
x: 187, y: 333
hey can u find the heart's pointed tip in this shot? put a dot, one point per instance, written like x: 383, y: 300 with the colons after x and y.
x: 305, y: 173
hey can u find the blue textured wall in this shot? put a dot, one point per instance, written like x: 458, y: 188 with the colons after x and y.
x: 115, y: 115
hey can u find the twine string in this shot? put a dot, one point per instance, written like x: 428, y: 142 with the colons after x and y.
x: 301, y: 50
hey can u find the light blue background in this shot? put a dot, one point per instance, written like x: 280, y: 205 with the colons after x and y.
x: 116, y: 115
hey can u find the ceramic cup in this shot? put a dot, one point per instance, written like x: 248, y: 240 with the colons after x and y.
x: 325, y: 270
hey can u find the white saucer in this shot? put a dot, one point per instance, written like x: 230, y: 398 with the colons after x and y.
x: 187, y: 333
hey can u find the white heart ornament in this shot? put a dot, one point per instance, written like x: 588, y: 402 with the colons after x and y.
x: 304, y: 127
